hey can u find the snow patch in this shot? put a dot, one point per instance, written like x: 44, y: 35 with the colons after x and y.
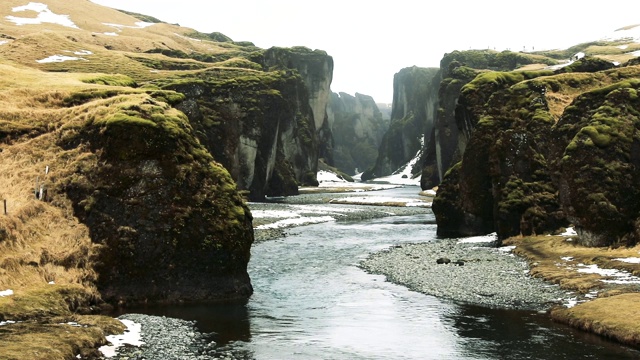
x: 329, y: 177
x: 630, y: 260
x: 479, y: 239
x: 6, y: 293
x: 131, y: 337
x: 2, y: 42
x: 506, y: 249
x: 569, y: 232
x: 44, y: 16
x: 59, y: 58
x: 300, y: 220
x: 618, y: 276
x: 138, y: 25
x: 567, y: 258
x: 380, y: 200
x: 8, y: 322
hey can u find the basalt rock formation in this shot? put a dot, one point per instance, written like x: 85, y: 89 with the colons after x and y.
x: 449, y: 127
x: 167, y: 220
x: 544, y: 149
x: 265, y: 127
x: 357, y: 127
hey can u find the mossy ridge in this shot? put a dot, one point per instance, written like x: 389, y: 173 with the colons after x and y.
x: 492, y: 60
x: 112, y: 80
x: 142, y: 17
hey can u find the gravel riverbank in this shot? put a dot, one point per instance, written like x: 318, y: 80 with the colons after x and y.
x: 172, y: 339
x: 484, y: 275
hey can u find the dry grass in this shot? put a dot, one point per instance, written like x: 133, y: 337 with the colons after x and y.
x: 49, y: 341
x: 615, y: 313
x: 616, y: 317
x: 545, y: 254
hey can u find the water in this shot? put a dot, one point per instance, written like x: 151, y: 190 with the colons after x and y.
x: 311, y: 301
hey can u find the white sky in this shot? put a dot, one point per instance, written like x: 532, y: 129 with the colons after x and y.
x: 370, y: 41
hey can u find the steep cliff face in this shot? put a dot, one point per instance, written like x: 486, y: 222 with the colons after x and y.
x: 167, y: 221
x: 316, y: 69
x: 265, y: 127
x: 411, y: 116
x: 533, y: 164
x: 447, y: 138
x: 358, y: 128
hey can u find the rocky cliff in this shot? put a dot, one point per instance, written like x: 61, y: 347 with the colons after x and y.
x: 167, y: 220
x: 357, y: 127
x: 265, y: 126
x: 447, y: 134
x: 546, y: 149
x: 411, y: 117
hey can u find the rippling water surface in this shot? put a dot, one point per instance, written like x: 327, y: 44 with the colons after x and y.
x: 311, y: 301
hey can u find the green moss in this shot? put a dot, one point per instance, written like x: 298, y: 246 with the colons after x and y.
x: 79, y: 98
x: 125, y: 120
x: 598, y: 134
x: 112, y: 80
x: 170, y: 97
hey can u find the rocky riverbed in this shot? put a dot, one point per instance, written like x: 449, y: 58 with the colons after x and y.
x: 468, y: 271
x: 171, y: 339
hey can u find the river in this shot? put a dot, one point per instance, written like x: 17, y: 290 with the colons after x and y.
x: 312, y: 301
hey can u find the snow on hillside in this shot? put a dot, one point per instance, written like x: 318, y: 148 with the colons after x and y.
x: 44, y: 16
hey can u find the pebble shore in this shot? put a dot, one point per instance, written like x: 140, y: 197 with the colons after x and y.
x: 484, y: 275
x: 173, y: 339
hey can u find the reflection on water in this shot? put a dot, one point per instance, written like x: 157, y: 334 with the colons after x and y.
x: 311, y: 301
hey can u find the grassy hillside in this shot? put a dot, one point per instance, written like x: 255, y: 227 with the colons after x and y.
x: 51, y: 114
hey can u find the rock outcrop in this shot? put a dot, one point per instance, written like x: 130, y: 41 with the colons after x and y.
x: 167, y: 221
x: 546, y: 149
x: 155, y: 156
x: 357, y: 127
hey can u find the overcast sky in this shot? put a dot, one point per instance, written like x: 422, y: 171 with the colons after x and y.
x: 370, y: 41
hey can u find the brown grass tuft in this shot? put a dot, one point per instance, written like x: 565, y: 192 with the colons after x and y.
x: 615, y: 317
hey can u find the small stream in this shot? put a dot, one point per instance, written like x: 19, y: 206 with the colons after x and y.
x: 311, y: 301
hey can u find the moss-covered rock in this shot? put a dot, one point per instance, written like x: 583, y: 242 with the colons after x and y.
x: 168, y: 220
x: 532, y: 164
x: 598, y: 164
x: 253, y: 122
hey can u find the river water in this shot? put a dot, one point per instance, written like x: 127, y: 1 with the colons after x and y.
x: 312, y: 301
